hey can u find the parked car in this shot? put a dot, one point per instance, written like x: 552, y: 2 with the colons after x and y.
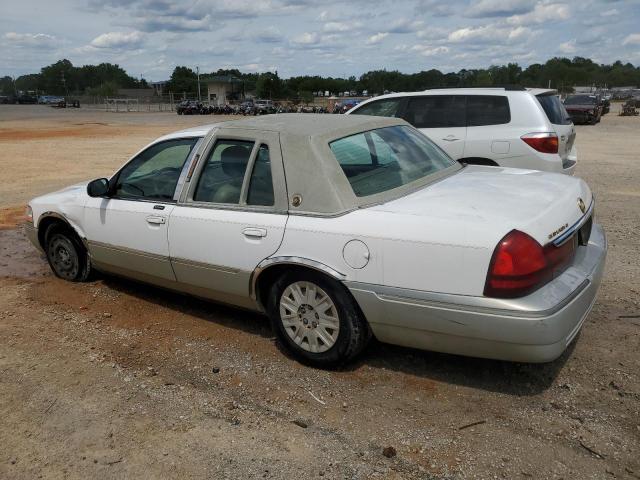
x: 488, y: 126
x: 264, y: 107
x: 340, y: 228
x: 584, y: 108
x: 189, y: 107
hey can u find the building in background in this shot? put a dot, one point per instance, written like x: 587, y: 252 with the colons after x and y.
x: 222, y: 89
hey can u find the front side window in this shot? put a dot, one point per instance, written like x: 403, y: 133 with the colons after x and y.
x: 387, y: 158
x: 154, y: 174
x: 223, y: 172
x: 487, y: 110
x: 380, y: 108
x: 436, y: 111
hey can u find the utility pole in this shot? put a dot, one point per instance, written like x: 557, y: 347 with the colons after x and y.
x: 198, y: 73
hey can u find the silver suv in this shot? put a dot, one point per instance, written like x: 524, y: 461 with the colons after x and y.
x: 508, y: 127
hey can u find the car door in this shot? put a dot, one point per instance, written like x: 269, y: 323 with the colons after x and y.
x: 127, y: 230
x: 232, y: 215
x: 488, y: 135
x: 442, y: 119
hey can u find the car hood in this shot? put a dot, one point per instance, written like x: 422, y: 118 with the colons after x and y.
x: 581, y: 108
x: 479, y: 205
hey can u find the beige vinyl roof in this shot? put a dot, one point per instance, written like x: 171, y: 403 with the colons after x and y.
x: 312, y: 124
x: 311, y: 169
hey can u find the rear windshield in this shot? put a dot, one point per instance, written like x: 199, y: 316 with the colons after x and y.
x: 580, y: 100
x: 554, y: 109
x: 387, y: 158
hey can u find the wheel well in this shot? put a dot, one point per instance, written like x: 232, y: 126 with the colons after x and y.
x: 45, y: 225
x: 271, y: 274
x: 478, y: 161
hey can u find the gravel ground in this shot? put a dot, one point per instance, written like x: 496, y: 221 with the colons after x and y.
x: 112, y: 379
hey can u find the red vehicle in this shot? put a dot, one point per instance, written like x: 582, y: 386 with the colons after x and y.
x: 584, y: 108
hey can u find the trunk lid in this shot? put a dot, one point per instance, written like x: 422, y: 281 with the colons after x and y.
x: 479, y: 205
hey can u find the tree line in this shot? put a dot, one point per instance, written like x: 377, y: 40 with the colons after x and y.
x: 63, y: 78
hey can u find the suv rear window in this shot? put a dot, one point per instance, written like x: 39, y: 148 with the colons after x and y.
x: 436, y: 111
x: 487, y: 110
x: 554, y: 109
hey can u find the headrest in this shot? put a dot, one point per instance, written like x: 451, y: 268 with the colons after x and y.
x: 234, y: 160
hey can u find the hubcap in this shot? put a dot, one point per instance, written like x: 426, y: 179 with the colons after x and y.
x: 64, y: 258
x: 309, y: 317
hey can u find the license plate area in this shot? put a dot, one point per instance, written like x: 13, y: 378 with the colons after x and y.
x: 585, y: 232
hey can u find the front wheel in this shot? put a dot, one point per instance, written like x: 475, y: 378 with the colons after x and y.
x: 316, y: 319
x: 67, y: 256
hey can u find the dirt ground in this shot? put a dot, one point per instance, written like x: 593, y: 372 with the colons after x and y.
x: 112, y: 379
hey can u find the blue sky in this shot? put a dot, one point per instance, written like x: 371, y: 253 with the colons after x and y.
x: 299, y: 37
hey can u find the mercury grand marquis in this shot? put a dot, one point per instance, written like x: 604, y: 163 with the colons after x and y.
x: 341, y: 228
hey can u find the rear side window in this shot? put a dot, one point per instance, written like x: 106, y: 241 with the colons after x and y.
x: 380, y: 108
x: 487, y: 110
x: 261, y: 185
x: 437, y: 111
x: 554, y: 109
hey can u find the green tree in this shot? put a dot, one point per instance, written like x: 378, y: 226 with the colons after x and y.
x: 183, y: 79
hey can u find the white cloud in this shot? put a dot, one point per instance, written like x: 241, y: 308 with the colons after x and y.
x: 428, y: 50
x: 40, y: 40
x: 337, y: 27
x: 542, y: 13
x: 306, y: 38
x: 405, y: 25
x: 500, y: 8
x: 117, y: 40
x: 377, y: 38
x: 488, y: 34
x: 568, y: 47
x: 632, y: 39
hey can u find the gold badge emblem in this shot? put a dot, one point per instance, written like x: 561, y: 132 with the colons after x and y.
x: 581, y: 205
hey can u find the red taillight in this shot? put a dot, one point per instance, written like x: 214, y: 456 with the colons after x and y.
x: 542, y: 142
x: 520, y: 265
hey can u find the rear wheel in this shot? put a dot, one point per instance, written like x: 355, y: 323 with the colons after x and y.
x: 66, y: 255
x: 316, y: 319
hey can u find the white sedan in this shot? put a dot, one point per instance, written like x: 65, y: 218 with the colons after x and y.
x: 340, y: 228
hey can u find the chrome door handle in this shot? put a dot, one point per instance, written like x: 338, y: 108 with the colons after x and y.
x: 156, y: 220
x: 254, y: 232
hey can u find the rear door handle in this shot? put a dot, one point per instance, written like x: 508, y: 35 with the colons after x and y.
x: 156, y: 220
x: 450, y: 138
x: 254, y: 232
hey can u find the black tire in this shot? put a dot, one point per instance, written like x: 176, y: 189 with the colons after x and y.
x: 353, y: 333
x: 66, y: 255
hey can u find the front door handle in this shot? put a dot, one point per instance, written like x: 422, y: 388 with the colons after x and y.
x: 254, y: 232
x: 450, y: 138
x: 156, y: 220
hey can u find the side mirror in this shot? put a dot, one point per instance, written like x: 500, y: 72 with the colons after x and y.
x: 98, y: 188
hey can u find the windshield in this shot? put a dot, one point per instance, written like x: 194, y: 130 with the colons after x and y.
x: 387, y: 158
x: 580, y: 100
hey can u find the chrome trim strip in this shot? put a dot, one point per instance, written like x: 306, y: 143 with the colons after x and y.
x: 290, y: 260
x: 127, y: 250
x: 576, y: 226
x: 208, y: 266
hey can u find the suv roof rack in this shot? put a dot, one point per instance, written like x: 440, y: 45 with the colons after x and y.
x: 493, y: 87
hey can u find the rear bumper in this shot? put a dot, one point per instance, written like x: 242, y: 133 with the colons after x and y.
x: 535, y: 328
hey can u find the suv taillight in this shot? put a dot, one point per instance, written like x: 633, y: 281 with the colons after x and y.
x: 542, y: 142
x: 520, y: 265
